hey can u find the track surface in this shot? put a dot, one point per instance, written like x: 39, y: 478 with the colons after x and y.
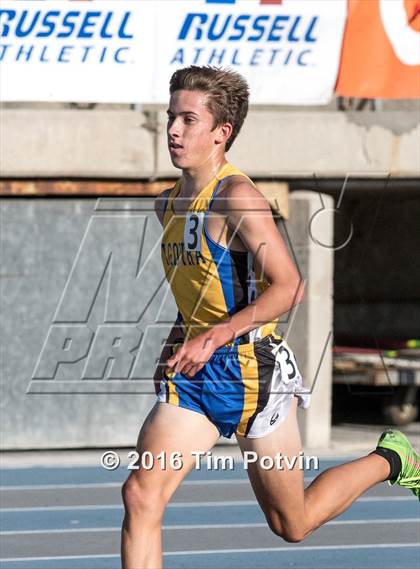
x: 70, y: 518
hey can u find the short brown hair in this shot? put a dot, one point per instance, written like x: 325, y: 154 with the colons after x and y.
x: 227, y: 91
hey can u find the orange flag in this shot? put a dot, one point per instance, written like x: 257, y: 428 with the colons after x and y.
x: 381, y: 50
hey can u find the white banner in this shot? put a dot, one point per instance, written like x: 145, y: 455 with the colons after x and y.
x: 94, y: 51
x: 289, y: 52
x: 113, y: 51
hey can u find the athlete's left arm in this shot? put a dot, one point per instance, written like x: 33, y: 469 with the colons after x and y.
x: 249, y: 216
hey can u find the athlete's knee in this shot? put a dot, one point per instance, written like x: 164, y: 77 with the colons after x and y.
x: 291, y: 535
x: 141, y: 499
x: 287, y: 531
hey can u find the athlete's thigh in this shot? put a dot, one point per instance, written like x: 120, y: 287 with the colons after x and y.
x: 171, y: 429
x: 278, y: 491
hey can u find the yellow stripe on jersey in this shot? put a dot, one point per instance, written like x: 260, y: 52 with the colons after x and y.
x: 173, y: 395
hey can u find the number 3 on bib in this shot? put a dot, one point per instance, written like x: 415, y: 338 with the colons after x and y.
x: 192, y: 231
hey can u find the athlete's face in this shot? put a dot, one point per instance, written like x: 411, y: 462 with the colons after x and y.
x: 192, y: 141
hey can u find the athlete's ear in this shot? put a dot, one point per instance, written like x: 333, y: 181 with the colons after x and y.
x: 224, y: 132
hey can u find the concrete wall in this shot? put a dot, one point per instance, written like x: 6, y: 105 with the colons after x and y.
x: 56, y: 279
x: 132, y: 144
x: 71, y: 267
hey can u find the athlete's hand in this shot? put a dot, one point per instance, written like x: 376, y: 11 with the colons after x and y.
x: 193, y: 355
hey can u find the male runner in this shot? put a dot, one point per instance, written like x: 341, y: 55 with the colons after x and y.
x: 224, y: 369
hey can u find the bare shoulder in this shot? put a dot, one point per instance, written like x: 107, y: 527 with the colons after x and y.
x: 160, y: 203
x: 239, y: 193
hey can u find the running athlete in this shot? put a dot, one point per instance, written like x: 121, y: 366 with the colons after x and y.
x: 224, y: 369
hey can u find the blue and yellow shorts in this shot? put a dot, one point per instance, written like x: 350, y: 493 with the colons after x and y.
x: 245, y: 389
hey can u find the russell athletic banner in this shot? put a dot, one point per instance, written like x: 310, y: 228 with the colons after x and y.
x: 381, y: 51
x: 114, y: 51
x: 53, y: 50
x: 289, y: 50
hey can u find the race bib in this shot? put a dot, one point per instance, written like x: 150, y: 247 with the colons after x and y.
x: 192, y: 231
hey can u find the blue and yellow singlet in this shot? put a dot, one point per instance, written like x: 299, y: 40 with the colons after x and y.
x: 209, y: 282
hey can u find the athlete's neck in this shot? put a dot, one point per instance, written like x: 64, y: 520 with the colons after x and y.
x: 194, y: 180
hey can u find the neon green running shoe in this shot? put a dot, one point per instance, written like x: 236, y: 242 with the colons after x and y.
x: 409, y: 476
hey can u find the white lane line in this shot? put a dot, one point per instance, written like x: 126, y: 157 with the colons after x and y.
x: 220, y: 504
x: 223, y: 551
x: 294, y: 548
x: 119, y: 484
x: 61, y: 486
x: 208, y: 526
